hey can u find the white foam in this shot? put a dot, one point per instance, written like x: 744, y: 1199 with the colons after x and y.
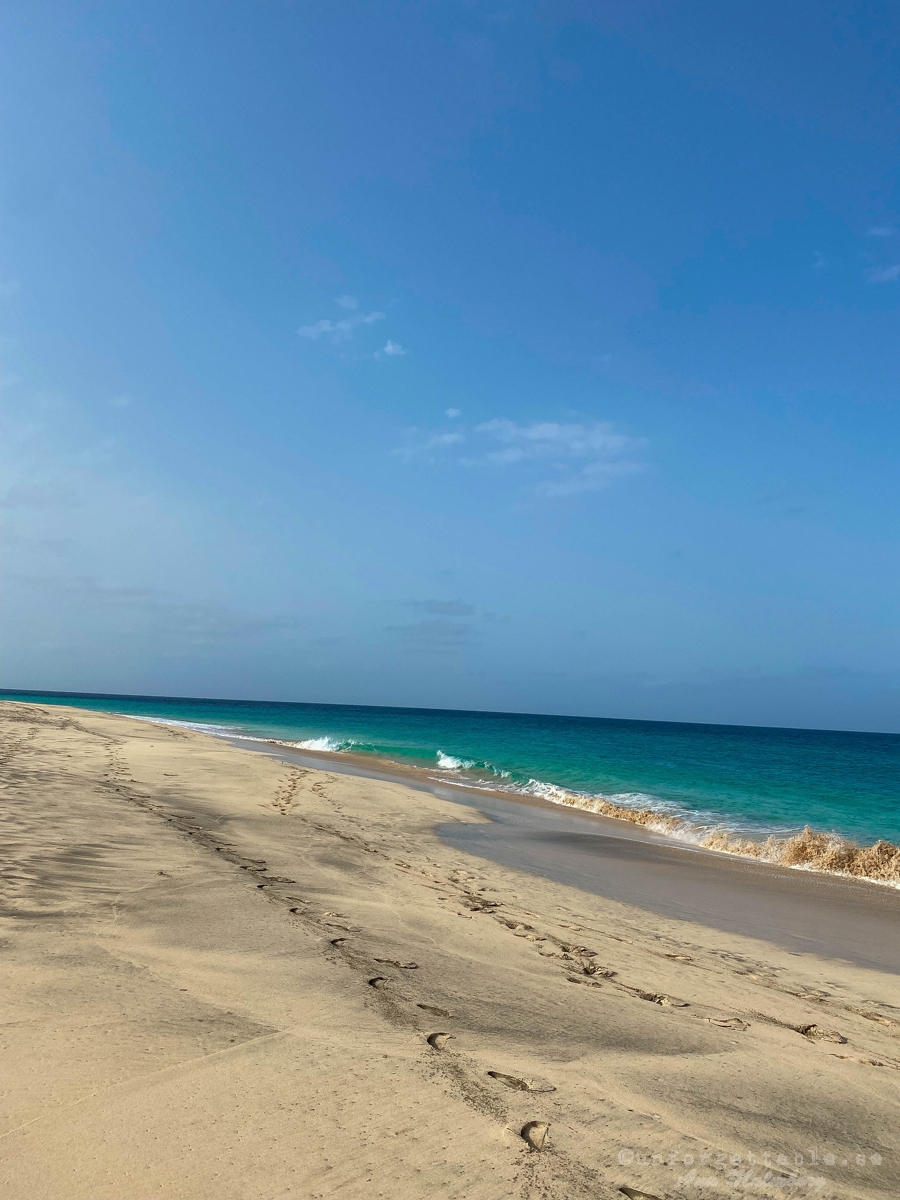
x: 327, y: 744
x: 447, y: 762
x: 217, y: 730
x: 691, y: 828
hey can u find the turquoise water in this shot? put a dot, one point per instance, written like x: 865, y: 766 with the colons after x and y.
x: 747, y: 779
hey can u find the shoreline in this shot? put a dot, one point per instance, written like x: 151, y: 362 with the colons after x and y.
x: 229, y: 976
x: 816, y: 846
x: 652, y: 824
x: 836, y: 916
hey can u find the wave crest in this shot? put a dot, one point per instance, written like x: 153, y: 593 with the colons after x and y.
x: 328, y: 744
x: 448, y: 762
x: 816, y: 852
x: 652, y: 818
x: 808, y: 849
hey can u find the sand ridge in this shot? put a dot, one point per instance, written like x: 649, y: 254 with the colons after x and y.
x: 233, y: 977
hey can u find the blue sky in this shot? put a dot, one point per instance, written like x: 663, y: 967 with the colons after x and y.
x: 476, y: 354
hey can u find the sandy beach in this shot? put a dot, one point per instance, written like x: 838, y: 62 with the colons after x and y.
x: 233, y: 976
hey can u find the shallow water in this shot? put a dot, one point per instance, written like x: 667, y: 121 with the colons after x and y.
x: 748, y: 780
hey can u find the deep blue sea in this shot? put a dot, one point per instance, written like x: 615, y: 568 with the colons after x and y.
x: 750, y: 780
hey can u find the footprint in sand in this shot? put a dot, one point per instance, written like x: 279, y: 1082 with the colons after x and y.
x: 727, y: 1022
x: 392, y: 962
x: 535, y: 1134
x: 334, y: 941
x: 438, y: 1041
x: 871, y: 1016
x: 815, y: 1033
x: 434, y: 1010
x: 868, y: 1062
x: 634, y: 1194
x: 660, y: 998
x: 378, y: 982
x: 595, y: 969
x: 522, y: 1085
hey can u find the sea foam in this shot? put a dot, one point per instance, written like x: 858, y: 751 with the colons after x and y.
x: 807, y: 849
x: 329, y: 744
x: 804, y: 849
x: 447, y: 762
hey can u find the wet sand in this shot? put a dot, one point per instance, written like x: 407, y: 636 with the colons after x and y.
x: 803, y: 911
x: 232, y: 977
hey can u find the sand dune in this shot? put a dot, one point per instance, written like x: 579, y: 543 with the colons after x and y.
x: 231, y: 977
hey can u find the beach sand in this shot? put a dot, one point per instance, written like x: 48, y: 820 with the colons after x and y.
x: 215, y: 967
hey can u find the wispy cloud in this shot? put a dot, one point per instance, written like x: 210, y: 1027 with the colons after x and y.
x: 548, y: 439
x: 38, y: 495
x: 437, y: 634
x: 888, y: 274
x: 443, y: 608
x: 152, y: 610
x: 579, y: 457
x: 584, y: 457
x: 390, y: 350
x: 421, y: 443
x: 591, y: 478
x: 340, y: 330
x: 882, y: 231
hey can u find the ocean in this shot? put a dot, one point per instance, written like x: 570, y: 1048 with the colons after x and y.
x: 730, y: 787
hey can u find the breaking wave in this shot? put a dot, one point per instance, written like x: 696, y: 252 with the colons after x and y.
x: 817, y: 852
x: 328, y: 744
x: 808, y: 849
x: 447, y: 762
x: 199, y: 726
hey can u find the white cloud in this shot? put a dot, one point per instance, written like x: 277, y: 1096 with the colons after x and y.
x: 452, y: 412
x: 422, y: 444
x: 342, y: 330
x: 882, y: 231
x: 590, y: 478
x: 573, y: 457
x: 548, y: 439
x: 392, y: 349
x: 888, y: 274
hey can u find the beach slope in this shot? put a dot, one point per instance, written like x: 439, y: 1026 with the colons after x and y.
x: 230, y: 977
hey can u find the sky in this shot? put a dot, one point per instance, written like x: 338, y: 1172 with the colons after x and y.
x: 485, y: 354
